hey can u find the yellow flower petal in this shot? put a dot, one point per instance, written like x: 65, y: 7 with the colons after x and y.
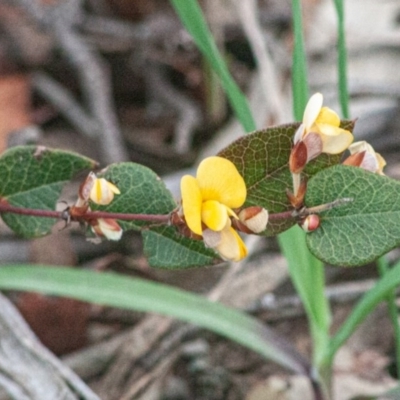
x: 102, y: 191
x: 231, y: 246
x: 219, y: 180
x: 312, y: 110
x: 214, y: 215
x: 227, y: 243
x: 327, y: 116
x: 334, y: 140
x: 191, y: 203
x: 381, y: 164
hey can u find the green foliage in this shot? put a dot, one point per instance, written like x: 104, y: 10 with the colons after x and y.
x: 192, y: 17
x: 362, y: 230
x: 137, y: 294
x: 142, y: 192
x: 166, y: 248
x: 307, y: 274
x: 33, y: 177
x: 262, y: 159
x: 299, y: 65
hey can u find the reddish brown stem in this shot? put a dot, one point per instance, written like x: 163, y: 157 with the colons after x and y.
x: 6, y: 208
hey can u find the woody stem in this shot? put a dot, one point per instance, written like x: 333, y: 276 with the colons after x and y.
x: 311, y: 210
x: 7, y: 208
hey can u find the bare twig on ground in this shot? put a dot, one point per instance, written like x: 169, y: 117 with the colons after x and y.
x: 59, y: 19
x: 63, y: 100
x: 269, y: 78
x: 22, y: 354
x: 189, y: 115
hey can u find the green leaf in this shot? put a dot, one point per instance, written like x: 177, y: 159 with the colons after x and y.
x: 299, y: 67
x: 308, y: 276
x: 192, y: 17
x: 262, y: 159
x: 33, y: 177
x: 166, y: 248
x: 135, y: 294
x: 142, y: 192
x: 362, y: 230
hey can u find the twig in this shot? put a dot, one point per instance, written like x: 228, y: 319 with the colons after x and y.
x: 64, y: 101
x: 248, y: 15
x: 94, y: 24
x: 288, y: 306
x: 189, y: 116
x: 58, y: 19
x: 22, y: 353
x: 97, y: 89
x: 6, y: 208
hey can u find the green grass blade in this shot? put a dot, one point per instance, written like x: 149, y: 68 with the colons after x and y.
x: 342, y: 60
x: 364, y: 307
x: 191, y: 16
x: 308, y: 277
x: 383, y: 267
x: 306, y: 271
x: 137, y: 294
x: 299, y: 68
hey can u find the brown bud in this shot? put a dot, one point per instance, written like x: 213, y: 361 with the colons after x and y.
x: 86, y: 187
x: 177, y: 218
x: 355, y: 159
x: 298, y: 157
x: 298, y: 200
x: 254, y: 218
x: 310, y: 223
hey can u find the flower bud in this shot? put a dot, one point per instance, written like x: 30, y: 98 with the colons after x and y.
x: 108, y: 228
x: 84, y: 191
x: 310, y: 223
x: 254, y: 218
x: 298, y: 157
x: 297, y: 200
x: 364, y: 156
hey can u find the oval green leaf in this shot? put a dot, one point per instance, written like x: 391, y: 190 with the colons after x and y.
x: 359, y: 231
x: 166, y: 248
x: 262, y: 159
x: 142, y: 192
x: 33, y: 177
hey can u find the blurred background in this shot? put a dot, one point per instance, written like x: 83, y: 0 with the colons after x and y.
x: 121, y: 80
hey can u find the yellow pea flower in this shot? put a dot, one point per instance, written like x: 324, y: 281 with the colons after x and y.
x: 320, y: 130
x: 103, y: 191
x: 227, y: 243
x: 364, y: 156
x: 209, y: 199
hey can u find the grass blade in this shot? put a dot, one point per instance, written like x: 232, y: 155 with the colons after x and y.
x: 308, y: 277
x: 383, y: 267
x: 191, y: 16
x: 342, y: 60
x: 137, y: 294
x: 299, y: 67
x: 306, y: 271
